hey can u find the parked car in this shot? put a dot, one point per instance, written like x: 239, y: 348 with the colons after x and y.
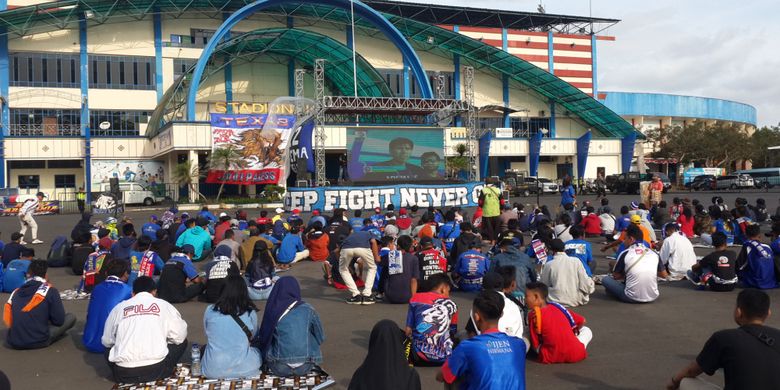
x: 624, y: 182
x: 734, y: 182
x: 133, y: 193
x: 548, y: 186
x: 701, y: 183
x: 516, y: 185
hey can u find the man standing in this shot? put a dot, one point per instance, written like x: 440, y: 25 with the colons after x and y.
x: 144, y: 336
x: 490, y: 200
x: 364, y: 245
x: 81, y: 199
x: 34, y: 312
x: 748, y: 355
x: 26, y: 211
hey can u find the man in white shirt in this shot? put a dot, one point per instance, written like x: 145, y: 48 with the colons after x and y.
x: 639, y: 267
x: 569, y: 283
x: 502, y: 280
x: 677, y: 253
x: 26, y: 217
x: 144, y: 336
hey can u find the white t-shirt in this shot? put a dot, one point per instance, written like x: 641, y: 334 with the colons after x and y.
x: 607, y: 223
x: 139, y: 329
x: 640, y: 265
x: 511, y: 321
x: 28, y: 207
x: 563, y: 232
x: 678, y: 254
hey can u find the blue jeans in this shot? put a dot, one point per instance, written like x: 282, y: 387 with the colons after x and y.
x: 616, y: 289
x: 281, y: 369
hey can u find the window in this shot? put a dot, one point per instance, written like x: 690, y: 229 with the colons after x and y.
x: 395, y: 81
x: 36, y: 121
x: 43, y: 70
x: 29, y: 181
x: 181, y: 65
x: 114, y: 72
x: 122, y: 123
x: 64, y: 181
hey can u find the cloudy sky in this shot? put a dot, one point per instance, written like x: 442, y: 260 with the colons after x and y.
x: 714, y: 48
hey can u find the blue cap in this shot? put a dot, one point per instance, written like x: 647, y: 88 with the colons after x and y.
x: 223, y: 250
x: 188, y: 249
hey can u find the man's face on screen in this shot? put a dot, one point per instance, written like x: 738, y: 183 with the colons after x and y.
x: 430, y: 164
x: 401, y: 152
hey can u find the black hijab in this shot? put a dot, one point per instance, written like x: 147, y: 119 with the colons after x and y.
x: 385, y: 367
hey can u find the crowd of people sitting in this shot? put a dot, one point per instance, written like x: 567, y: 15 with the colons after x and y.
x: 524, y: 289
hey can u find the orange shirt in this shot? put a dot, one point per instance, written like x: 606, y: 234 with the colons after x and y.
x: 645, y: 234
x: 318, y: 247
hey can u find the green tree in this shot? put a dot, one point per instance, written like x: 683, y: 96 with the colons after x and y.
x: 186, y: 175
x: 459, y: 162
x: 226, y: 159
x: 764, y: 138
x: 717, y: 145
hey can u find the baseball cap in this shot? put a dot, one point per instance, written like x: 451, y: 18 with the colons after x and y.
x: 223, y: 214
x: 296, y: 211
x: 636, y: 219
x: 188, y: 249
x: 279, y: 210
x: 634, y: 205
x: 153, y: 217
x: 223, y: 250
x: 402, y: 211
x: 315, y: 212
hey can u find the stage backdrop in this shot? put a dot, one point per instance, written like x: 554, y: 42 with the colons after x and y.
x: 265, y: 155
x: 408, y: 154
x: 366, y: 198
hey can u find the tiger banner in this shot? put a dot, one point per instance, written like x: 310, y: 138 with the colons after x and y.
x: 263, y: 152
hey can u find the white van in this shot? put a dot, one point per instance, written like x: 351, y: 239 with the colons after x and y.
x: 134, y: 193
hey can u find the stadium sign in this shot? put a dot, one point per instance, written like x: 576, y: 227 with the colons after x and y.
x: 253, y: 108
x: 366, y: 198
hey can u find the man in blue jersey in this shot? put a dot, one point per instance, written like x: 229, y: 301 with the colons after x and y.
x: 491, y: 360
x: 470, y: 267
x: 104, y: 297
x: 581, y: 249
x: 756, y: 264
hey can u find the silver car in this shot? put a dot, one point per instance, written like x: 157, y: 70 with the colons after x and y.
x: 734, y: 182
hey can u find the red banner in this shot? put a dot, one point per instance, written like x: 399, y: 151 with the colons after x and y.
x: 245, y: 176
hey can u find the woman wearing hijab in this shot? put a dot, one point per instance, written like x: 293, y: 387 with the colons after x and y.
x: 230, y: 324
x: 291, y: 333
x: 385, y: 367
x: 260, y: 273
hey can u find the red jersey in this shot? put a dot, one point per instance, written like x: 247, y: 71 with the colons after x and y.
x: 554, y: 337
x: 263, y: 221
x: 686, y: 225
x: 592, y: 224
x: 403, y: 222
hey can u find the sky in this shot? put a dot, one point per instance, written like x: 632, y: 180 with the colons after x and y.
x: 717, y: 48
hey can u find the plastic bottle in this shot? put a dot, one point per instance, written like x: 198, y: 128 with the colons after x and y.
x: 195, y: 368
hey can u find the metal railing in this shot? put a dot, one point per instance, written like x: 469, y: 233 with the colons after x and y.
x: 59, y: 130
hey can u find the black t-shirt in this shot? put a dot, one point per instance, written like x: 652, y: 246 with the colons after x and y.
x: 337, y: 231
x: 721, y: 264
x: 746, y: 361
x: 217, y: 272
x: 398, y: 282
x: 173, y: 282
x: 431, y: 261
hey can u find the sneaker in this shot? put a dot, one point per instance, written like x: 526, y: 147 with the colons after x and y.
x: 37, y: 242
x: 369, y: 300
x: 355, y: 300
x: 23, y: 242
x: 380, y: 296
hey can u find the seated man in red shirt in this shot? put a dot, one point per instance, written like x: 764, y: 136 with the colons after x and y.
x: 591, y: 223
x: 558, y: 335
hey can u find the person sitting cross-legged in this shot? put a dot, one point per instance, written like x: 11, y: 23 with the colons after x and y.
x: 558, y: 335
x: 176, y: 274
x: 144, y: 336
x: 292, y: 250
x: 716, y: 270
x: 217, y: 271
x: 260, y: 272
x: 432, y: 322
x: 291, y: 332
x: 15, y: 274
x: 491, y: 360
x: 756, y: 264
x: 230, y: 324
x: 677, y: 252
x: 34, y: 313
x: 105, y: 296
x: 401, y: 272
x: 569, y: 283
x: 635, y: 276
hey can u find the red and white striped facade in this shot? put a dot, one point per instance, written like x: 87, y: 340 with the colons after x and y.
x: 572, y: 55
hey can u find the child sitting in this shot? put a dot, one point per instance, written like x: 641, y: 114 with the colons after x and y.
x: 558, y: 335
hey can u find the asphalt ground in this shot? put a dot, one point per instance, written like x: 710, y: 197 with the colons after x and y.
x: 634, y: 346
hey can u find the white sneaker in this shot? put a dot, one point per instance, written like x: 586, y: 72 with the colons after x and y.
x: 23, y: 242
x: 37, y: 242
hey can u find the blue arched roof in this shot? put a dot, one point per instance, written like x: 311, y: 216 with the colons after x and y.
x: 666, y: 105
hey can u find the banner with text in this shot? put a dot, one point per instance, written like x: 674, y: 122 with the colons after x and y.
x: 263, y: 152
x: 366, y: 198
x: 9, y: 206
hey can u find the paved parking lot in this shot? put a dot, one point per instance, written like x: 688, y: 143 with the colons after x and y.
x: 634, y: 346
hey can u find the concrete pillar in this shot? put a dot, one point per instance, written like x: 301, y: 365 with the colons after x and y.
x: 170, y: 164
x: 194, y: 162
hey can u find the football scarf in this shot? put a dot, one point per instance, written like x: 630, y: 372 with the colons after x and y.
x: 37, y: 299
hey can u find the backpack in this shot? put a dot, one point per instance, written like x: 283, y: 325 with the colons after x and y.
x: 59, y: 255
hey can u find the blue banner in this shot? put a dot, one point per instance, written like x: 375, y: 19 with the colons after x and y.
x: 583, y: 145
x: 366, y: 198
x: 484, y: 154
x: 534, y: 150
x: 301, y: 147
x: 627, y: 151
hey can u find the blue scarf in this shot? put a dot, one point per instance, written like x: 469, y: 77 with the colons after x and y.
x: 566, y: 313
x: 285, y: 296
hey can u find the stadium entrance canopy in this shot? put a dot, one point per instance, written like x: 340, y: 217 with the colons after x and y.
x: 415, y: 35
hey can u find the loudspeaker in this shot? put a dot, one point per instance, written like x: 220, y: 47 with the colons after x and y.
x: 303, y: 173
x: 113, y: 184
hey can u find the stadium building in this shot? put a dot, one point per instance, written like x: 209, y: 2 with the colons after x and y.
x: 96, y: 89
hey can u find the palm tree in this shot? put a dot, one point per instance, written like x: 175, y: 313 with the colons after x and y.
x: 457, y: 163
x: 183, y: 174
x: 225, y: 159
